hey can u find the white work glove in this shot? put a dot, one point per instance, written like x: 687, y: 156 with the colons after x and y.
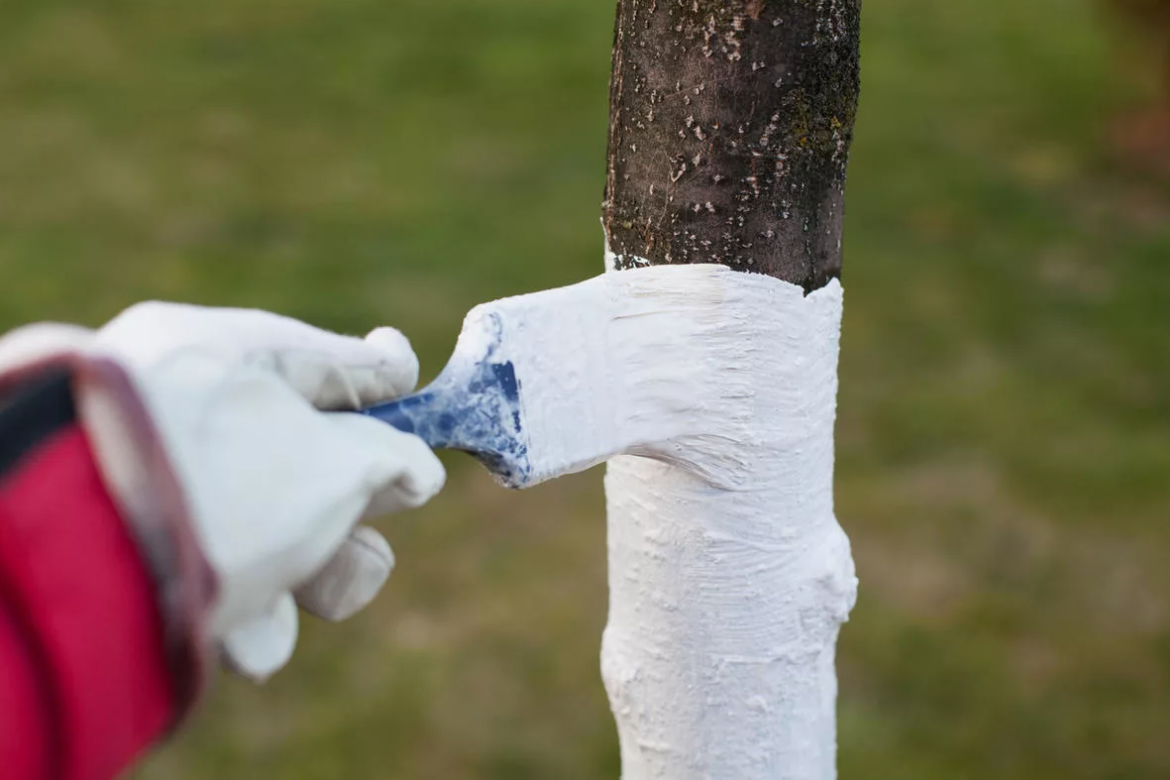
x: 273, y: 487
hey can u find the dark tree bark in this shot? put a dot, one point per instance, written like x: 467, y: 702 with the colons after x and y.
x: 730, y: 127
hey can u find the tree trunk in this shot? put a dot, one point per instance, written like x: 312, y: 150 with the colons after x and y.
x: 730, y: 127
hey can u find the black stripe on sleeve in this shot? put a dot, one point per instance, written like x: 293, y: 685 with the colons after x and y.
x: 31, y: 413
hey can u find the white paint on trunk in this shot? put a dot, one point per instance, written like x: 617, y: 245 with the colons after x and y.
x: 729, y: 574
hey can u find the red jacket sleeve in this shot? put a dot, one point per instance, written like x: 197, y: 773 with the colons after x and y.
x: 84, y: 681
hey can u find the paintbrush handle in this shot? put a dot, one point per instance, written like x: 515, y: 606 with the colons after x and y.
x: 479, y: 416
x: 414, y: 414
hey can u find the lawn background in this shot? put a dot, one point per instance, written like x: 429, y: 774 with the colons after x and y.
x: 1004, y: 432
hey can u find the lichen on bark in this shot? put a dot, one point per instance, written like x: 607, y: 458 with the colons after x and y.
x: 730, y: 128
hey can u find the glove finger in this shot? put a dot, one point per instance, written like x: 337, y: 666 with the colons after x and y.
x: 262, y: 647
x: 32, y: 343
x: 416, y: 482
x: 331, y: 468
x: 399, y: 470
x: 351, y: 580
x: 398, y: 352
x: 342, y: 372
x: 330, y: 370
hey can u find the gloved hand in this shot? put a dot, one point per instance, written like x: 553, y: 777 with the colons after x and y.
x: 272, y: 487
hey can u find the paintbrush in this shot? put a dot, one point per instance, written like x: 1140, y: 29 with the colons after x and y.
x: 647, y: 362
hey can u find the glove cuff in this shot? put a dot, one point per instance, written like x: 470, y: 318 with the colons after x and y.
x: 137, y: 473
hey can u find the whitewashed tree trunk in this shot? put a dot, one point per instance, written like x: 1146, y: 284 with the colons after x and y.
x: 730, y: 125
x: 726, y: 600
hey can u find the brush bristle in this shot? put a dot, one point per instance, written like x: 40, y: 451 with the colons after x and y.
x: 662, y: 362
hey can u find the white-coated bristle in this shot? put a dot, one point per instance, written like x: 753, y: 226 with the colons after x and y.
x: 667, y: 362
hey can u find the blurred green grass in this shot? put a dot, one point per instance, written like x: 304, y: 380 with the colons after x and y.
x: 1004, y: 436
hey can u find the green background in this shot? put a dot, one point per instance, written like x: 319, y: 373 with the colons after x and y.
x: 1004, y: 433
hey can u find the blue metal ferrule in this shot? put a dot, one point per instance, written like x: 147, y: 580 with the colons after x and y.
x: 473, y: 406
